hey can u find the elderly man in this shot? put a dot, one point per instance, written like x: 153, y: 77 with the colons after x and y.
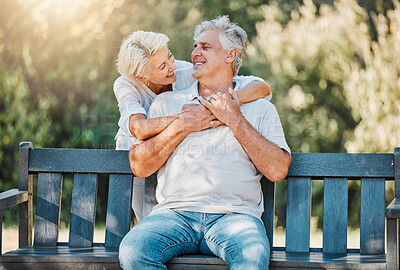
x: 208, y: 193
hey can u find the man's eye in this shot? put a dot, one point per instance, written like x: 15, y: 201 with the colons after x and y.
x: 162, y: 67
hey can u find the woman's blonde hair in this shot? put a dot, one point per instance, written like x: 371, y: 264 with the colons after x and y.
x: 135, y: 52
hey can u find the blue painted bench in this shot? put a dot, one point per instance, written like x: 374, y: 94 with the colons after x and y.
x: 43, y: 251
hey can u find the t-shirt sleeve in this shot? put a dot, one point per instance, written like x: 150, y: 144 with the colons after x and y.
x: 184, y: 78
x: 129, y: 102
x: 271, y: 128
x: 243, y: 81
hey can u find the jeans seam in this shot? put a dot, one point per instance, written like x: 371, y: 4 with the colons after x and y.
x: 174, y: 245
x: 221, y: 248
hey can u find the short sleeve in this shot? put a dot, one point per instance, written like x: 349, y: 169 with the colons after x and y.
x: 129, y: 102
x: 270, y: 128
x: 243, y: 81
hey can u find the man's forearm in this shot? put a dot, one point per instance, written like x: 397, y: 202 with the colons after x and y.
x: 147, y: 157
x: 272, y: 161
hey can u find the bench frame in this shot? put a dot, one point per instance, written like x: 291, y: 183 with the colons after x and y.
x: 80, y: 252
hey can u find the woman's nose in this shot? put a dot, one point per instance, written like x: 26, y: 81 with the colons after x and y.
x: 172, y: 67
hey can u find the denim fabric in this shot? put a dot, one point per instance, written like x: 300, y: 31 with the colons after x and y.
x: 238, y: 239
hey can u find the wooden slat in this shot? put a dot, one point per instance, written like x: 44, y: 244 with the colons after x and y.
x: 372, y: 216
x: 298, y: 214
x: 48, y: 207
x: 392, y: 247
x: 118, y: 209
x: 335, y: 215
x: 25, y: 183
x: 397, y: 171
x: 1, y: 231
x: 12, y: 197
x: 314, y: 165
x: 83, y: 210
x: 79, y: 160
x: 393, y: 209
x: 149, y: 197
x: 267, y: 217
x: 352, y: 166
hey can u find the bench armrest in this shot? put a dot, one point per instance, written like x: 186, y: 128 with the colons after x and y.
x: 12, y: 197
x: 393, y: 209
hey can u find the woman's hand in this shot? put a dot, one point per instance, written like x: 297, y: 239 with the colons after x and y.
x: 196, y: 117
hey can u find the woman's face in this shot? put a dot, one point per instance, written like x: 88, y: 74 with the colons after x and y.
x: 162, y: 68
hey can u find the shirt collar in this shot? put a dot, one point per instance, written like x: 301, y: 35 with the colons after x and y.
x: 193, y: 91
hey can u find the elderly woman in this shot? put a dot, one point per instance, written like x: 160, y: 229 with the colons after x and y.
x: 147, y: 69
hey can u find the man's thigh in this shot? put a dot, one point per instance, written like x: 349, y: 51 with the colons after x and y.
x: 238, y: 239
x: 159, y: 237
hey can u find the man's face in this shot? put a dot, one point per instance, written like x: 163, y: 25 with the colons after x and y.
x: 208, y: 56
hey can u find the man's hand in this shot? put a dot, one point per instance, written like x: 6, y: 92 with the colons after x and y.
x: 196, y: 117
x: 225, y: 107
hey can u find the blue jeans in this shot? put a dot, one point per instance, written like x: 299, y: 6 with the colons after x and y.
x: 238, y: 239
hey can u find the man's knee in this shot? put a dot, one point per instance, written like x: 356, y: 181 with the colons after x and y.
x: 132, y: 249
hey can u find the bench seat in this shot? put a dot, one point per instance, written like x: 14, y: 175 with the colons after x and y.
x: 99, y: 257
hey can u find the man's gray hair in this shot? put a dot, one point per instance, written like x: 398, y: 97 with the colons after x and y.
x: 232, y: 36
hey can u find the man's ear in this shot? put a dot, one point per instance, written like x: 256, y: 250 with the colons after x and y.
x: 231, y: 56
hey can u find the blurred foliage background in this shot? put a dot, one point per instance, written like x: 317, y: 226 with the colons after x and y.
x: 333, y: 67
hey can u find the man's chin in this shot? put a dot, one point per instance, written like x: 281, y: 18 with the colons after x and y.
x: 196, y: 74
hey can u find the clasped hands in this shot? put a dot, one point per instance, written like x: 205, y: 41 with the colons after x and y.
x: 219, y: 109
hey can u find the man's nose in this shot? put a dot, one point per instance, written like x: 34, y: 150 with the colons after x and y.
x: 196, y: 51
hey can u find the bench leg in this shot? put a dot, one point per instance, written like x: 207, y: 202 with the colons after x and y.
x: 392, y: 247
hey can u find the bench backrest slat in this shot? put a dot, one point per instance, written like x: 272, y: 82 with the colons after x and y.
x: 118, y: 208
x: 353, y: 166
x: 335, y: 215
x: 83, y: 210
x: 48, y: 206
x: 372, y: 216
x: 268, y: 189
x: 79, y: 161
x: 298, y: 214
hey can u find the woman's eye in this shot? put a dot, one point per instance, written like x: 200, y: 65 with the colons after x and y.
x: 162, y: 67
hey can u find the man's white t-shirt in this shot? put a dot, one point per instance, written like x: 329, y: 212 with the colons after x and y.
x: 209, y: 171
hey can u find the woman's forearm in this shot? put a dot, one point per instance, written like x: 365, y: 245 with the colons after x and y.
x: 147, y: 157
x: 253, y: 91
x: 143, y: 128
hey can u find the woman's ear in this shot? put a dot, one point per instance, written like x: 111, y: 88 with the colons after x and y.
x: 231, y: 56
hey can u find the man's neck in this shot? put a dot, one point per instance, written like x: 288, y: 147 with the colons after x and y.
x: 209, y: 87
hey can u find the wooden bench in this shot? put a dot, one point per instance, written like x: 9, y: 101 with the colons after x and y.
x: 43, y: 251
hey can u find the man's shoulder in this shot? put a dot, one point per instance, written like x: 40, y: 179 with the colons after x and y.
x: 259, y: 106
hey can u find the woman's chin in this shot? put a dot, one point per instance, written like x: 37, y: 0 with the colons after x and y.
x: 171, y: 79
